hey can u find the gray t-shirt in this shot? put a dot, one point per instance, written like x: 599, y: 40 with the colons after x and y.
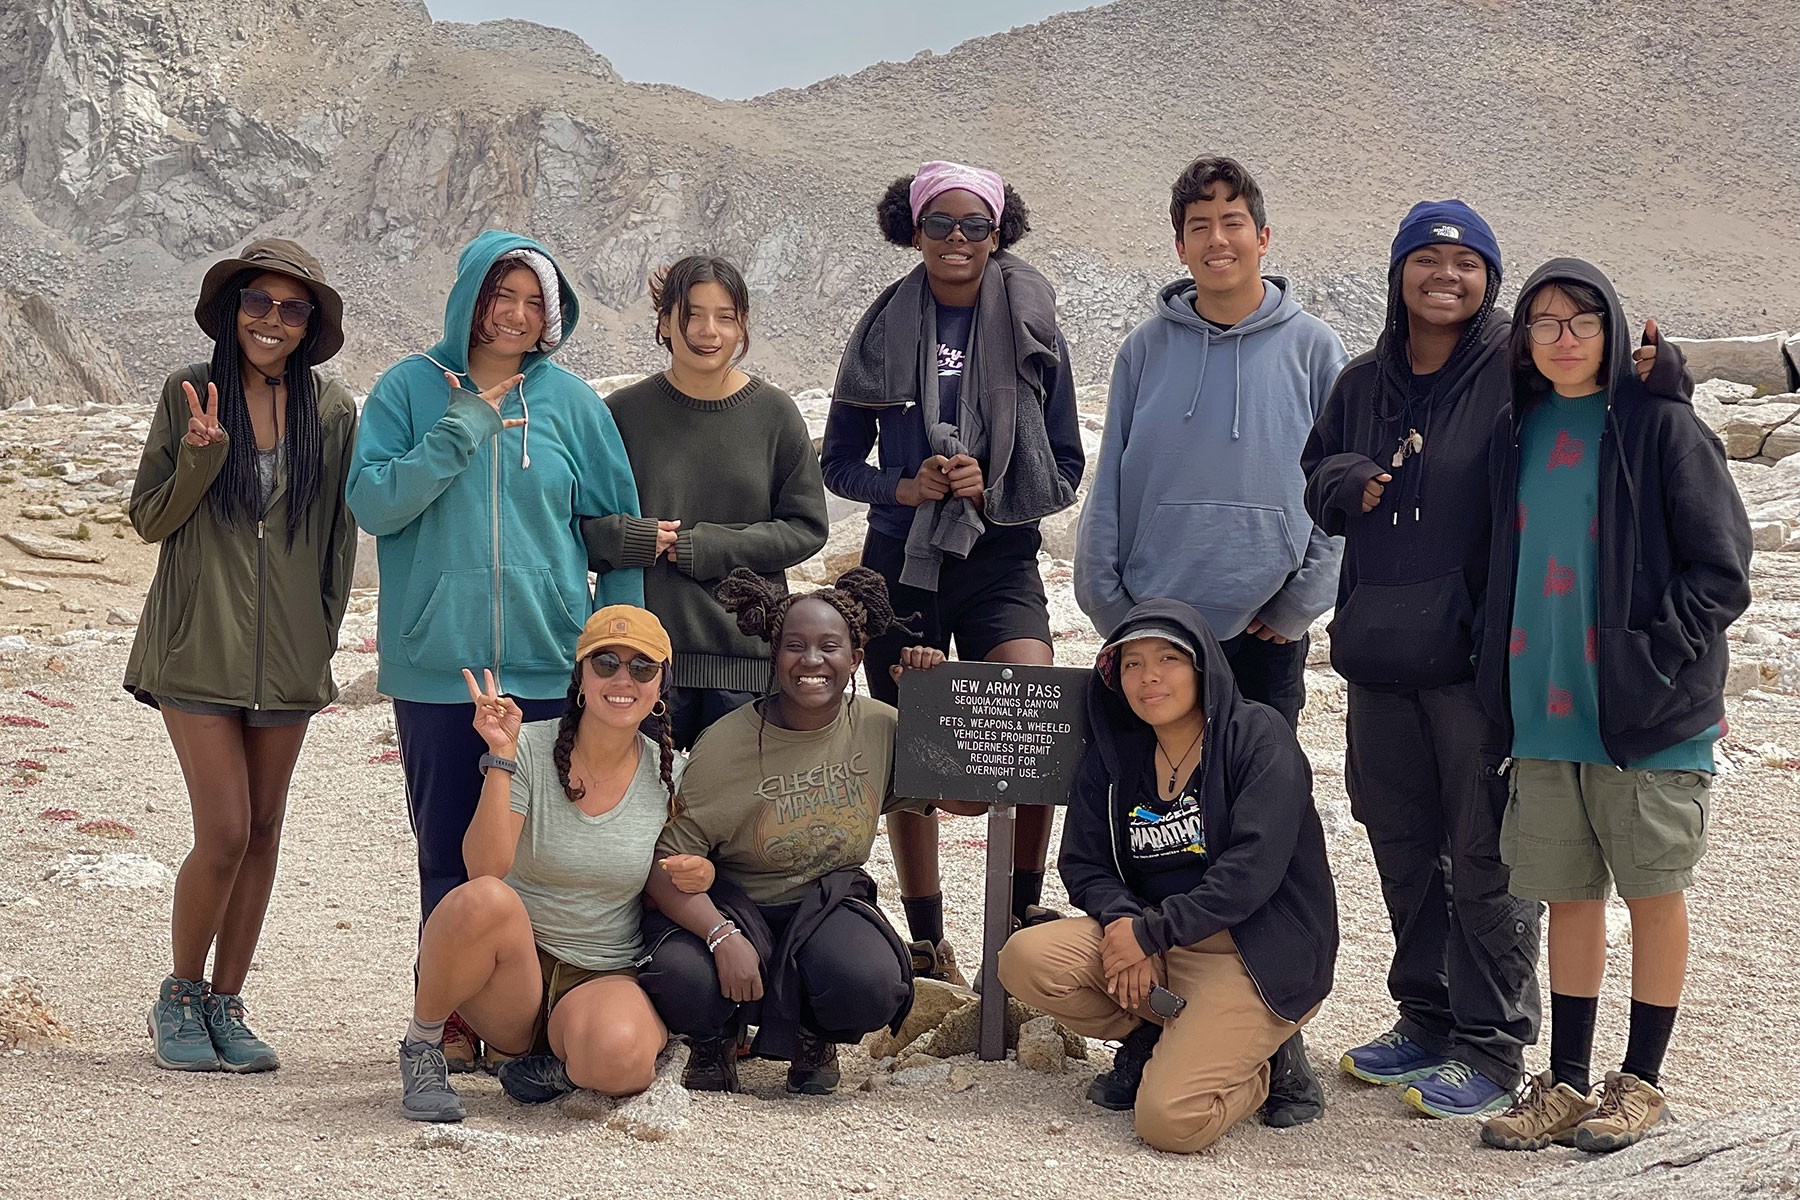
x: 581, y: 877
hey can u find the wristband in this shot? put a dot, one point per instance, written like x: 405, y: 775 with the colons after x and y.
x: 509, y: 765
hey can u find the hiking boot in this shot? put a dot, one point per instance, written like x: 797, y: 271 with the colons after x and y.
x: 462, y: 1050
x: 1036, y: 914
x: 1628, y: 1109
x: 238, y: 1049
x: 177, y: 1025
x: 1295, y: 1096
x: 813, y: 1071
x: 712, y: 1065
x: 1392, y: 1058
x: 425, y: 1091
x: 1458, y: 1090
x: 1117, y: 1089
x: 935, y: 962
x: 535, y: 1078
x: 1546, y: 1112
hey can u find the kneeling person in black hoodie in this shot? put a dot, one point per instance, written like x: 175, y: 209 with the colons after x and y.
x: 1192, y: 843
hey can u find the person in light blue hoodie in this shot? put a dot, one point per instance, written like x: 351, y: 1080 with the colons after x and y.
x: 1198, y: 494
x: 475, y: 463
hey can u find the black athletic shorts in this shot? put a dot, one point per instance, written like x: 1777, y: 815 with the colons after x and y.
x: 993, y: 596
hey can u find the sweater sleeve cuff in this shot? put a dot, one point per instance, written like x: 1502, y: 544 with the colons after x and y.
x: 473, y: 417
x: 684, y: 553
x: 637, y: 542
x: 1146, y: 940
x: 1356, y: 478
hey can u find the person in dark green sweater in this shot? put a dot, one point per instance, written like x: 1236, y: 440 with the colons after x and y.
x: 726, y: 477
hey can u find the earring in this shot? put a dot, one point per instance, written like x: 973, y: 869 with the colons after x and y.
x: 659, y: 709
x: 580, y: 699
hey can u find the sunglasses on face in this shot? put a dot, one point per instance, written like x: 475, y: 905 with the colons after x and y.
x: 606, y: 664
x: 1547, y: 331
x: 937, y: 227
x: 256, y: 303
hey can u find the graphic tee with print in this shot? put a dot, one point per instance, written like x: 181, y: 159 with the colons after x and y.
x: 775, y: 817
x: 1164, y: 835
x: 1553, y: 669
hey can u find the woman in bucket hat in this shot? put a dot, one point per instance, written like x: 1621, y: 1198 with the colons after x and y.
x: 242, y: 484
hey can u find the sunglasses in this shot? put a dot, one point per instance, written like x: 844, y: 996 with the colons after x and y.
x: 1164, y: 1003
x: 606, y: 664
x: 256, y: 303
x: 1547, y: 331
x: 937, y: 227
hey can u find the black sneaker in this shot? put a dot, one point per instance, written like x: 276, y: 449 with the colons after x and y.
x: 1117, y: 1089
x: 1295, y: 1096
x: 712, y: 1065
x: 813, y: 1071
x: 535, y: 1078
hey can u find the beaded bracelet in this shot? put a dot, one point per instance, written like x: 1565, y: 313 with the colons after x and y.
x: 713, y: 946
x: 711, y: 933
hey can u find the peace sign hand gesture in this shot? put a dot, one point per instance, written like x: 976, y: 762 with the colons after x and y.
x: 497, y: 718
x: 493, y: 396
x: 203, y: 419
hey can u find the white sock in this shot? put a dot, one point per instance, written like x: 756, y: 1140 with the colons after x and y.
x: 429, y: 1032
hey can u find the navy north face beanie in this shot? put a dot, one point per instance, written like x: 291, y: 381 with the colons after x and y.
x: 1433, y: 221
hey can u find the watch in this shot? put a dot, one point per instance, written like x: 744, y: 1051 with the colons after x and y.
x: 509, y: 765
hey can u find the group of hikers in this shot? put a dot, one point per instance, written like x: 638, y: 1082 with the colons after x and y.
x: 644, y: 784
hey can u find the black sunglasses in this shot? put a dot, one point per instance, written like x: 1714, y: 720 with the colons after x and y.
x: 937, y: 226
x: 1164, y: 1003
x: 256, y: 304
x: 607, y: 664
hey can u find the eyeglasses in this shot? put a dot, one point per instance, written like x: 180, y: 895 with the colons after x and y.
x: 1164, y: 1003
x: 606, y: 664
x: 937, y: 226
x: 1547, y: 331
x: 256, y: 304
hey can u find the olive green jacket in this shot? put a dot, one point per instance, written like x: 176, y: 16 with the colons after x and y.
x: 234, y: 616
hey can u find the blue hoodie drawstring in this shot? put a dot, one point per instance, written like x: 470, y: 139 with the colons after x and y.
x: 1199, y: 377
x: 1237, y: 384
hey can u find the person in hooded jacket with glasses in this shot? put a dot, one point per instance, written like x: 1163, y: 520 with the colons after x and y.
x: 1192, y: 843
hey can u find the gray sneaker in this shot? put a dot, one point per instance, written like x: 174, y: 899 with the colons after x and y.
x: 178, y: 1035
x: 239, y: 1050
x: 425, y: 1084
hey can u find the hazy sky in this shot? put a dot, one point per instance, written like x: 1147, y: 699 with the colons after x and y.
x: 737, y: 48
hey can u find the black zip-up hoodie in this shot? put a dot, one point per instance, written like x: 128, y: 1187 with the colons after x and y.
x: 1674, y: 547
x: 1415, y: 568
x: 1266, y: 879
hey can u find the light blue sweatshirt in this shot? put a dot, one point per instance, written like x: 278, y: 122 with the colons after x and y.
x: 1198, y: 494
x: 477, y: 527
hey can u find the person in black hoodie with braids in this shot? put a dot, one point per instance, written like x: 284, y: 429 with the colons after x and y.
x: 784, y: 796
x: 1192, y: 843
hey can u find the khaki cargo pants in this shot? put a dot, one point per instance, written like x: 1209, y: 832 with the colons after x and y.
x: 1210, y: 1068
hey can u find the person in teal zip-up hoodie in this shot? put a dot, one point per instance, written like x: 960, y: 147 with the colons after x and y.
x: 475, y: 464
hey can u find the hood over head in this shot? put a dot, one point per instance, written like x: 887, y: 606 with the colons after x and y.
x: 1621, y: 377
x: 472, y: 265
x: 1110, y: 719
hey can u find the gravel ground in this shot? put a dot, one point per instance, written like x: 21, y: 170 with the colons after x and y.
x: 330, y: 990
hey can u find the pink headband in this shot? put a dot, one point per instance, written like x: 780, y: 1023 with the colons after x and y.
x: 936, y: 178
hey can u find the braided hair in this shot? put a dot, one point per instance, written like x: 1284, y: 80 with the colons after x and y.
x: 563, y: 752
x: 236, y: 493
x: 1397, y: 339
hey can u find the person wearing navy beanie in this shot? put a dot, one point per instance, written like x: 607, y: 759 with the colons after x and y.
x: 1397, y: 466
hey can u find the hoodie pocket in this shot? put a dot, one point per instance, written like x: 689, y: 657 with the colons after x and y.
x: 537, y: 630
x: 1236, y: 555
x: 1638, y: 696
x: 455, y: 628
x: 1412, y: 634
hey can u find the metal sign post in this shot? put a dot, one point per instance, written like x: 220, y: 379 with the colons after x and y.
x: 997, y: 735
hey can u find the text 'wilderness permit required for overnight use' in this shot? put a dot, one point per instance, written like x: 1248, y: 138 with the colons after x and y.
x: 991, y: 733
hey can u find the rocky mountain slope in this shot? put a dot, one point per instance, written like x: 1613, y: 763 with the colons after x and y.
x: 141, y: 138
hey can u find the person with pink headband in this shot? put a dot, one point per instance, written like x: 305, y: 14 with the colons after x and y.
x: 958, y: 373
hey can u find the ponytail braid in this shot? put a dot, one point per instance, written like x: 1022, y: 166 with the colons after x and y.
x: 565, y: 739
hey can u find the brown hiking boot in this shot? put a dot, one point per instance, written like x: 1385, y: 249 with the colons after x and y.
x: 1629, y: 1108
x: 1546, y: 1112
x: 462, y: 1052
x: 935, y: 962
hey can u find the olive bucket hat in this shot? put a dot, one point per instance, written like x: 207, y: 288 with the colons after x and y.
x: 283, y: 257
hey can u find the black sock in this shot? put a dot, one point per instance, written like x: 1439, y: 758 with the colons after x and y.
x: 925, y: 917
x: 1027, y: 890
x: 1572, y: 1038
x: 1648, y: 1040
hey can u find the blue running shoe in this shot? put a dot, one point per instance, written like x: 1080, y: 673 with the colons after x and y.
x: 1392, y: 1058
x: 1458, y: 1090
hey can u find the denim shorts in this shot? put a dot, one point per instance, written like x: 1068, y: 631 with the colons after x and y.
x: 255, y: 718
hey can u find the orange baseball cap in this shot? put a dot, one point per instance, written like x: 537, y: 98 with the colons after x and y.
x: 624, y: 625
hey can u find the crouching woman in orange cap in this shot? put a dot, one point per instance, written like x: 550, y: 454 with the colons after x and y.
x: 535, y: 951
x: 241, y: 485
